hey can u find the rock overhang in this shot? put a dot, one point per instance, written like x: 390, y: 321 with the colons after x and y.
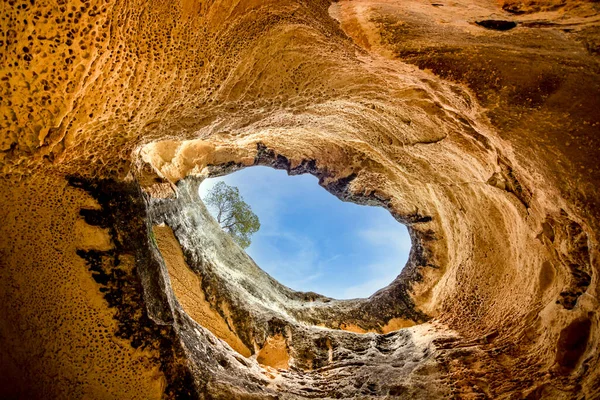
x: 462, y: 141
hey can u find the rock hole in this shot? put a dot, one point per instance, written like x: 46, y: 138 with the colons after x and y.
x: 497, y: 25
x: 311, y: 241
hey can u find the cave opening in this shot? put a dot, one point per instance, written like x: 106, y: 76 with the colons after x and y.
x: 311, y: 241
x: 475, y: 124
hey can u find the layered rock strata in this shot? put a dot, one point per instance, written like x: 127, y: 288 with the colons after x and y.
x: 474, y: 123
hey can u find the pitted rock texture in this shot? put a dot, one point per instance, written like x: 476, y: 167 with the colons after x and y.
x: 473, y: 122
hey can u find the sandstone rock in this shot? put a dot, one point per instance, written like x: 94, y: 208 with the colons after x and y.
x: 475, y: 123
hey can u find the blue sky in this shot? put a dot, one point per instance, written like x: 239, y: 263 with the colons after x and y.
x: 309, y: 240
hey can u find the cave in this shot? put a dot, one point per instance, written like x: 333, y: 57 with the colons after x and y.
x: 475, y: 124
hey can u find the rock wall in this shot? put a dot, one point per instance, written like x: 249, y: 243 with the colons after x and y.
x: 475, y: 123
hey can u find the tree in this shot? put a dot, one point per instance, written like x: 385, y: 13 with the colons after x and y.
x: 231, y: 212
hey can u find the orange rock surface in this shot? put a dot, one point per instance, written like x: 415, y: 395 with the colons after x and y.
x: 474, y: 122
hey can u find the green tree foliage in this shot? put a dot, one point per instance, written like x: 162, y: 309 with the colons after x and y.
x: 233, y: 214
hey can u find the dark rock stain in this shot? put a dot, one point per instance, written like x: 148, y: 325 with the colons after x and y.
x: 131, y: 289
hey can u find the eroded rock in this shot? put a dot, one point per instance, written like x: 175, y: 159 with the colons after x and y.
x: 481, y: 138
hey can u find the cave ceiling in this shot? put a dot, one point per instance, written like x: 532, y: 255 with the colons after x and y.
x: 475, y: 123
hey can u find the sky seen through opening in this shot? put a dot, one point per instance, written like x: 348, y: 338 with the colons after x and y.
x: 310, y: 240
